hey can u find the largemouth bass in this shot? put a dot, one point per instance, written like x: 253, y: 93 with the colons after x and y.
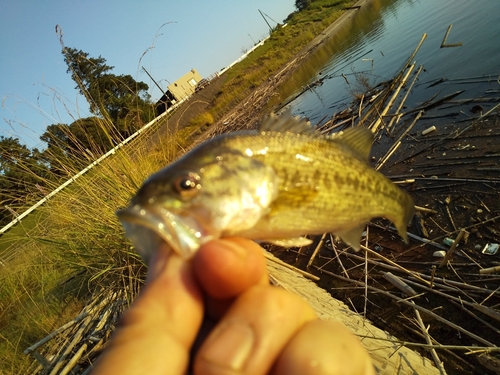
x: 274, y: 184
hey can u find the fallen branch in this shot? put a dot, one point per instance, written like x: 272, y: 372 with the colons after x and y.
x: 444, y: 45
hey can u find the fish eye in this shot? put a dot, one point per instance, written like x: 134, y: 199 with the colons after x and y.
x: 187, y: 185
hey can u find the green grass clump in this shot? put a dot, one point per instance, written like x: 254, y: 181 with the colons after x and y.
x: 202, y: 119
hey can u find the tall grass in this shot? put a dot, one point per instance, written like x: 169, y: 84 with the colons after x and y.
x: 73, y: 248
x: 74, y: 245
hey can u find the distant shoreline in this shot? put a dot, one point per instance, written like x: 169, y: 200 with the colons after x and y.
x: 248, y: 113
x: 332, y: 28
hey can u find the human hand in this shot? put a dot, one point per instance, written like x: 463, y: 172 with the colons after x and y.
x: 259, y: 329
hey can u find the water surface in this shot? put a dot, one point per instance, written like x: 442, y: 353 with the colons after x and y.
x: 381, y: 37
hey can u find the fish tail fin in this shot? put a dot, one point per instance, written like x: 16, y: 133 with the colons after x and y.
x: 402, y: 220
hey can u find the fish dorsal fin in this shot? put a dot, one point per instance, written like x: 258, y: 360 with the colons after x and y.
x: 358, y: 140
x: 286, y: 123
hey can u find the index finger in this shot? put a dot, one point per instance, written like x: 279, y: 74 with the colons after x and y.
x: 156, y: 334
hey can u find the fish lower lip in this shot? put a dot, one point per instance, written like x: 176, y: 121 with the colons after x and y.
x: 147, y: 227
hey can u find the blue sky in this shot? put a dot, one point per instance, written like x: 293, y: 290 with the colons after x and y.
x: 35, y: 89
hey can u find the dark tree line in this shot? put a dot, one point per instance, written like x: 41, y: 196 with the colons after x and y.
x: 120, y: 106
x: 21, y: 171
x: 120, y: 99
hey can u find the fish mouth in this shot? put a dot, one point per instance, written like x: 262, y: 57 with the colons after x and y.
x: 148, y: 227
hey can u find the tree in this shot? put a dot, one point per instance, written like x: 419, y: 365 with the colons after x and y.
x: 71, y: 147
x: 302, y: 4
x: 86, y: 72
x: 21, y: 169
x: 121, y: 106
x: 120, y: 99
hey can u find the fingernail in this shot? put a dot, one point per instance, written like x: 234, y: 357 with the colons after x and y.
x: 230, y: 346
x: 233, y: 248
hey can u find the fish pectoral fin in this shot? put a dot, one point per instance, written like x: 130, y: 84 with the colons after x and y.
x: 352, y: 236
x: 291, y: 200
x: 291, y: 242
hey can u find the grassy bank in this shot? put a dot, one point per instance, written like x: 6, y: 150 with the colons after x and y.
x: 283, y: 44
x: 73, y: 245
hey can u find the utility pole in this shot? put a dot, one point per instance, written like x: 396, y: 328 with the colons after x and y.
x: 157, y: 85
x: 252, y: 39
x: 270, y: 28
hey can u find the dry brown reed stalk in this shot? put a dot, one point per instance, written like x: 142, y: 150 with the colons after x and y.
x: 394, y: 264
x: 479, y: 307
x: 85, y: 339
x: 425, y: 331
x: 393, y: 83
x: 397, y: 114
x: 420, y: 308
x: 376, y: 107
x: 338, y: 257
x: 375, y: 126
x: 397, y: 143
x: 316, y: 250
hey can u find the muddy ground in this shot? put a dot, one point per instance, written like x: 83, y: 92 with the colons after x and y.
x: 453, y: 173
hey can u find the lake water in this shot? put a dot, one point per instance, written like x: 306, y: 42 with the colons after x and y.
x: 381, y: 37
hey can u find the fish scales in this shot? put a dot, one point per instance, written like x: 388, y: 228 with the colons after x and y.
x: 275, y: 184
x: 331, y: 185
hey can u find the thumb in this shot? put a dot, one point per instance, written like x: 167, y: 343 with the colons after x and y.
x: 156, y: 333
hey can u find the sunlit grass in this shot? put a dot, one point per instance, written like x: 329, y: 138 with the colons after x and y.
x: 73, y: 246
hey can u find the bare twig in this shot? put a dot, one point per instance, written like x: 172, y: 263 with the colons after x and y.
x: 444, y: 45
x: 337, y: 256
x: 425, y: 331
x: 401, y: 268
x: 316, y: 250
